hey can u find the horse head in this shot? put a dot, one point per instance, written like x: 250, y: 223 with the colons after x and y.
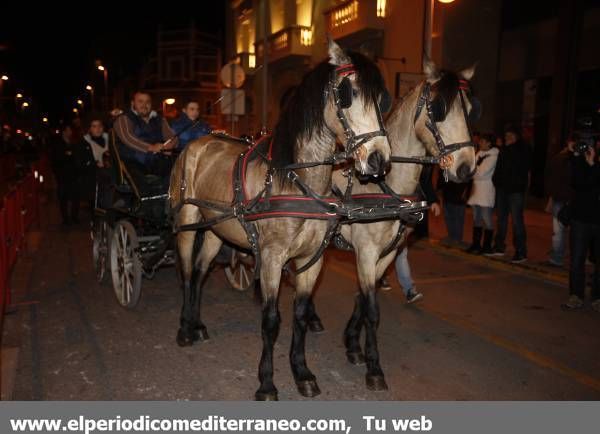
x: 445, y: 108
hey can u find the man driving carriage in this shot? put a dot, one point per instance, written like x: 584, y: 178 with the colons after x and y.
x: 143, y: 136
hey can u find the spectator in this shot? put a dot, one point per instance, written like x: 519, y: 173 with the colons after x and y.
x: 585, y: 227
x: 560, y: 192
x: 454, y: 196
x: 189, y: 126
x: 483, y: 195
x: 66, y: 165
x: 96, y: 150
x: 511, y: 179
x: 402, y: 266
x: 143, y: 134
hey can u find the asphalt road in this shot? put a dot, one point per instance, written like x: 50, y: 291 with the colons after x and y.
x: 481, y: 333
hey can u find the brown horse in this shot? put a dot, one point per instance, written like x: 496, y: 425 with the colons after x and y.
x: 328, y: 106
x: 409, y: 135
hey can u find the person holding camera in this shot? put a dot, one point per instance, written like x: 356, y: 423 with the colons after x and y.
x: 585, y: 222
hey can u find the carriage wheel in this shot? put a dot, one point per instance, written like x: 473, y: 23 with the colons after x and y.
x: 100, y: 242
x: 126, y: 267
x: 240, y: 271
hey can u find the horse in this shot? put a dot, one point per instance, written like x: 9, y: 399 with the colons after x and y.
x: 337, y: 101
x: 439, y: 106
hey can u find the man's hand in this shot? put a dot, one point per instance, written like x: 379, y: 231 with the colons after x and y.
x: 169, y: 144
x: 590, y: 155
x: 157, y: 147
x: 436, y: 209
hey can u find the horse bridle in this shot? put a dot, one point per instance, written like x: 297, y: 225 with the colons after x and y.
x: 431, y: 124
x: 353, y: 141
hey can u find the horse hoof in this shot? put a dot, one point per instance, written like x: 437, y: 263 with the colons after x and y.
x: 184, y: 339
x: 376, y: 383
x: 356, y: 358
x: 202, y: 335
x: 308, y: 388
x: 266, y: 396
x: 316, y: 326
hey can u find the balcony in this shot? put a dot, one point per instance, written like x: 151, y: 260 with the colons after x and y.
x: 289, y: 42
x: 356, y: 19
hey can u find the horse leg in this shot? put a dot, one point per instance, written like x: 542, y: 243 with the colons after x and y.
x: 270, y: 276
x: 369, y: 273
x: 305, y: 380
x: 209, y: 249
x: 354, y: 352
x: 314, y: 322
x: 186, y: 335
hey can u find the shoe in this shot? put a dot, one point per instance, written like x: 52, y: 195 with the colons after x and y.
x: 573, y: 303
x: 384, y: 285
x: 518, y: 259
x: 475, y: 247
x: 552, y: 263
x: 495, y: 252
x: 488, y: 234
x: 596, y: 305
x: 413, y: 296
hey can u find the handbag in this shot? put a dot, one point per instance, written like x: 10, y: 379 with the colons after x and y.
x: 565, y: 214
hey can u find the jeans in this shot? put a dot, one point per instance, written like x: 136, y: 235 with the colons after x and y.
x: 513, y: 203
x: 454, y: 215
x: 403, y: 271
x: 559, y: 235
x: 583, y: 237
x: 483, y: 217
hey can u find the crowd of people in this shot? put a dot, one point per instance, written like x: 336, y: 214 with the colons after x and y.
x: 499, y: 187
x: 81, y: 159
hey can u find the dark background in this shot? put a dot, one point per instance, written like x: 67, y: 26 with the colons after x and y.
x: 50, y: 53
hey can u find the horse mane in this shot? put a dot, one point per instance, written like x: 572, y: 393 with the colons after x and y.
x: 447, y: 86
x: 302, y: 114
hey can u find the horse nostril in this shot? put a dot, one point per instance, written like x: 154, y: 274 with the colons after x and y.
x: 463, y: 172
x: 376, y: 163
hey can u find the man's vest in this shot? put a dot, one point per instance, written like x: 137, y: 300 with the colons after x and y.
x: 149, y: 132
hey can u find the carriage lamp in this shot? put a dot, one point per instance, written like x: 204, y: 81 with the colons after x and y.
x: 41, y: 179
x: 35, y: 174
x: 170, y: 101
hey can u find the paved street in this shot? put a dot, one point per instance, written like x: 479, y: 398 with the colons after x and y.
x: 482, y: 332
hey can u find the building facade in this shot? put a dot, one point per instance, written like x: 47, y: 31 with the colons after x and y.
x: 538, y: 65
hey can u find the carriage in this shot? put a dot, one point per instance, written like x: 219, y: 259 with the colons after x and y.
x: 132, y: 234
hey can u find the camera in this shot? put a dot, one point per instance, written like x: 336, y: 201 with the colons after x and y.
x: 585, y: 137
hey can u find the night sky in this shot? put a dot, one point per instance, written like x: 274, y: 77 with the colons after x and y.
x: 49, y: 54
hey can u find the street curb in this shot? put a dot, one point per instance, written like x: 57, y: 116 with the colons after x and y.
x: 527, y: 269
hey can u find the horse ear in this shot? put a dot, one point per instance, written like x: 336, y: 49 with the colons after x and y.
x: 468, y: 73
x: 337, y: 56
x: 429, y: 68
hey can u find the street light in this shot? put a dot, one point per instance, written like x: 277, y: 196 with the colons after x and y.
x: 25, y: 104
x: 445, y: 1
x: 166, y: 102
x: 4, y: 78
x: 90, y: 89
x: 19, y: 96
x: 75, y: 110
x: 79, y: 102
x: 104, y: 70
x: 45, y: 120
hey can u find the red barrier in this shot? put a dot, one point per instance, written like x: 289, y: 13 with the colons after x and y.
x: 19, y: 210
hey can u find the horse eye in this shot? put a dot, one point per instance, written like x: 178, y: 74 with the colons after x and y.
x: 354, y: 93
